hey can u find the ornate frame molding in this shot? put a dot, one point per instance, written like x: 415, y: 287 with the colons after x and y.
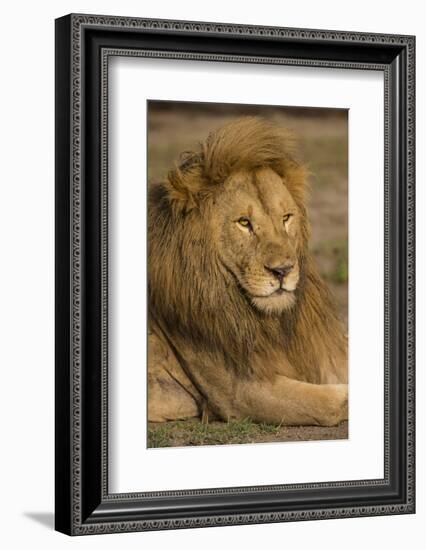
x: 73, y: 48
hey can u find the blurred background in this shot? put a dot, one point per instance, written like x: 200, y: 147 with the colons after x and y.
x: 174, y: 127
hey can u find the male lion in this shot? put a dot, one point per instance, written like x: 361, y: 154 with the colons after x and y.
x: 241, y: 324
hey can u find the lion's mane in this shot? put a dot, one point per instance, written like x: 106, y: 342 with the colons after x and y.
x: 191, y: 296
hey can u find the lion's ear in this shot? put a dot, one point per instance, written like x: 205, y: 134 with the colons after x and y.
x: 185, y: 184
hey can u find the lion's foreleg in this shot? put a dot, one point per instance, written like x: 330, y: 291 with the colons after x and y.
x: 289, y: 402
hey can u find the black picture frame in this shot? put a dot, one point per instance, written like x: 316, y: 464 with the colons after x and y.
x: 83, y: 45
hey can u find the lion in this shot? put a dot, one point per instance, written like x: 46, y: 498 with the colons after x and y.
x: 241, y: 325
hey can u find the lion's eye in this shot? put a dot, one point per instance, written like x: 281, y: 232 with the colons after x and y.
x: 244, y: 222
x: 286, y: 218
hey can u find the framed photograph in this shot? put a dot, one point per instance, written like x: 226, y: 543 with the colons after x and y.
x: 234, y: 274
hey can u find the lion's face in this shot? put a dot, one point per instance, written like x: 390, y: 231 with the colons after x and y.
x: 256, y: 226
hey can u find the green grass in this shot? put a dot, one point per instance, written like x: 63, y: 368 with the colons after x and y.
x: 184, y: 433
x: 341, y: 272
x: 334, y: 260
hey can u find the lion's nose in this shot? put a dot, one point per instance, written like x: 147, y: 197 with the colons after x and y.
x: 280, y: 271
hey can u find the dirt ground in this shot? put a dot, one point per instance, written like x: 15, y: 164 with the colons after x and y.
x: 192, y: 432
x: 323, y: 142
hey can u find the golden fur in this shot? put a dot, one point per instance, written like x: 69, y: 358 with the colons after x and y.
x: 239, y: 339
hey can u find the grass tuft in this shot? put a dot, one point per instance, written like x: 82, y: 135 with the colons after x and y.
x: 334, y: 260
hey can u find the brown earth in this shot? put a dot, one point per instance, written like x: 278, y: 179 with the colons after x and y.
x: 192, y: 432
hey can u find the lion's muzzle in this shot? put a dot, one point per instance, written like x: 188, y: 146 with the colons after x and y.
x: 280, y: 271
